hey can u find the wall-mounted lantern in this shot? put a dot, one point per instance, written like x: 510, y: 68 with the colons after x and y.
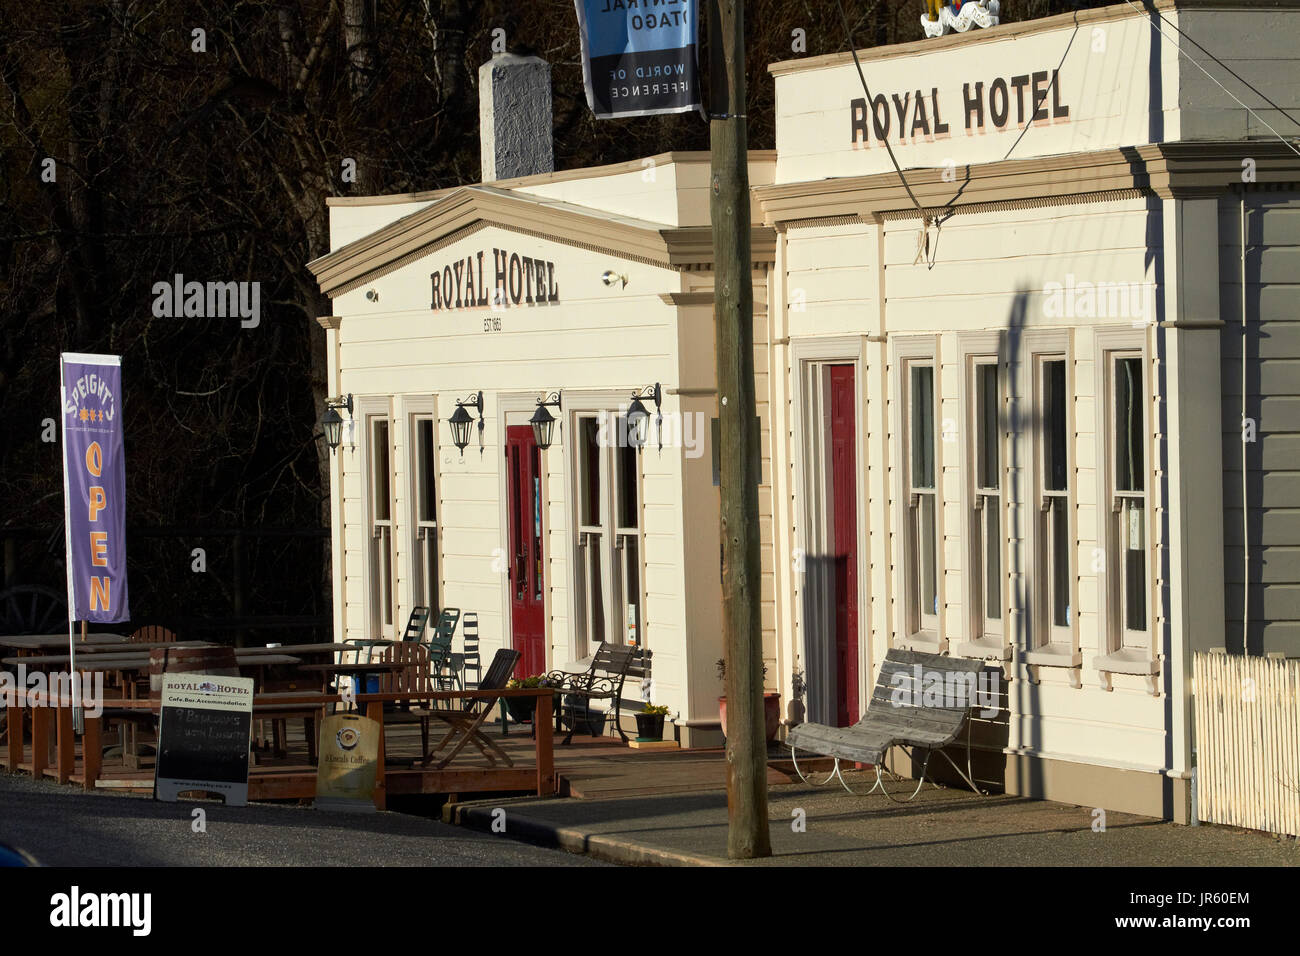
x: 332, y: 421
x: 461, y: 420
x: 638, y: 418
x: 543, y: 422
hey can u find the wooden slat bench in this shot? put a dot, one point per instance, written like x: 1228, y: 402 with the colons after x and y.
x: 898, y: 716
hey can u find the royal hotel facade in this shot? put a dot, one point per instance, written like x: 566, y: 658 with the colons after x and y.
x: 1050, y: 419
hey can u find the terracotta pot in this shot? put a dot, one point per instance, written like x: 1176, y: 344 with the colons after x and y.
x: 771, y: 714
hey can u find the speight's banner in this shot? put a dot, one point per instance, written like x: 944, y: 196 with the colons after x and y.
x: 94, y: 487
x: 639, y: 56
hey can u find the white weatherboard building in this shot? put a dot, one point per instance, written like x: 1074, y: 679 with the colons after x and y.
x: 583, y: 288
x: 1007, y: 425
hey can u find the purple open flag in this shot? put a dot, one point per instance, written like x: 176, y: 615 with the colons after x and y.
x: 94, y: 487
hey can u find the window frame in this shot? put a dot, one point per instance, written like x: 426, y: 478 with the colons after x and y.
x: 982, y: 638
x: 913, y: 628
x: 1046, y: 643
x: 380, y: 619
x: 421, y: 529
x: 1119, y: 648
x: 584, y: 532
x: 611, y: 537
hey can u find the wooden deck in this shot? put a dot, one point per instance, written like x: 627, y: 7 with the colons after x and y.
x: 588, y: 768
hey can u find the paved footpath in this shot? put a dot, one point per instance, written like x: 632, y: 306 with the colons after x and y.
x: 61, y: 826
x: 942, y: 828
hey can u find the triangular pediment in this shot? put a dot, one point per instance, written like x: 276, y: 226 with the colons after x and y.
x: 471, y: 208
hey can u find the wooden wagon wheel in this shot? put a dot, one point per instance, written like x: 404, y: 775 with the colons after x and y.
x: 29, y: 609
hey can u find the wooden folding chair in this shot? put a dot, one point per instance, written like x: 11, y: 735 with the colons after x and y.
x: 465, y: 722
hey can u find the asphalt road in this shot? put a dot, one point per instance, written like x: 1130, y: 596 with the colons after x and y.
x: 60, y: 826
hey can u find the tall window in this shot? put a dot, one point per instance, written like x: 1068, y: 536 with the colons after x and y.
x: 425, y: 566
x: 609, y: 530
x: 922, y: 526
x: 986, y: 497
x: 1127, y: 537
x: 381, y: 527
x: 627, y: 531
x: 591, y: 524
x: 1055, y: 575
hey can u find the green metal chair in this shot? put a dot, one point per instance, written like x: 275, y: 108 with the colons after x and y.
x: 440, y: 656
x: 416, y: 624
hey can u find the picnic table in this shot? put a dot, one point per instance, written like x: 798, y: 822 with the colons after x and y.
x: 301, y: 649
x: 131, y: 646
x: 136, y: 661
x: 362, y: 669
x: 356, y: 667
x: 40, y: 642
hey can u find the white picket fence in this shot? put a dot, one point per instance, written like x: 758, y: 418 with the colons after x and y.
x: 1248, y: 741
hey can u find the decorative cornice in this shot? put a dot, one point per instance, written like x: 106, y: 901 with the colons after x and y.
x: 821, y: 221
x: 1110, y: 195
x: 1181, y: 170
x: 681, y: 299
x: 685, y: 299
x: 329, y: 322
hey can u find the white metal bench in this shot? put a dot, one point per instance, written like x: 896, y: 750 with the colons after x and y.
x: 898, y: 716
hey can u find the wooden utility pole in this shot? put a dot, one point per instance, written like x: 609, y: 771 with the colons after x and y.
x: 733, y: 315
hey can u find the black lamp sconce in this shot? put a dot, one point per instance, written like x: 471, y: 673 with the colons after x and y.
x: 461, y: 421
x: 332, y: 421
x: 543, y: 422
x: 638, y: 417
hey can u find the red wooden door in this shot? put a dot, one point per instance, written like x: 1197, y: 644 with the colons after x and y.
x: 844, y: 483
x: 527, y: 609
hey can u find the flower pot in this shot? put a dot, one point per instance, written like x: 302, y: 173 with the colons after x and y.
x: 771, y: 714
x: 649, y: 726
x: 521, y: 708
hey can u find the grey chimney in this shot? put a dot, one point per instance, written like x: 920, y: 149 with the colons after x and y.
x: 514, y: 111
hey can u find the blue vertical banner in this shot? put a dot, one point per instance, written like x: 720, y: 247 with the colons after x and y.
x: 639, y: 57
x: 94, y: 487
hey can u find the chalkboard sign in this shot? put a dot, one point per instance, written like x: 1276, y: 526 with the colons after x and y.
x: 203, y: 737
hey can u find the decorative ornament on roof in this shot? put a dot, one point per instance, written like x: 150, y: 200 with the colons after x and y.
x: 959, y: 16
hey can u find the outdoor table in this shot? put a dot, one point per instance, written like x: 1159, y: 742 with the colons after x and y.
x: 39, y: 642
x: 296, y: 649
x: 128, y: 647
x: 136, y: 661
x: 44, y: 660
x: 353, y: 668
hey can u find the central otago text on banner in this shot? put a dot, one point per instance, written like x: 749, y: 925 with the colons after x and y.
x: 94, y: 487
x: 639, y: 56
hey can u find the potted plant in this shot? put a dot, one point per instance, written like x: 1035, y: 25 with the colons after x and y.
x: 771, y: 705
x: 650, y: 722
x: 522, y: 708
